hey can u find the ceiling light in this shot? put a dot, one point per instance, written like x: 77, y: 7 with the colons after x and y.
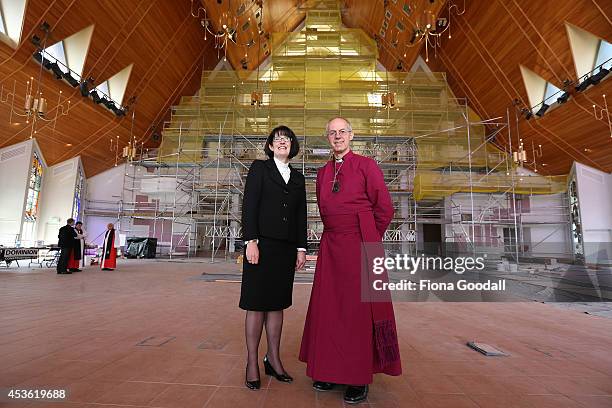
x: 67, y: 76
x: 96, y: 97
x: 542, y: 110
x: 583, y: 85
x: 563, y: 98
x: 596, y: 78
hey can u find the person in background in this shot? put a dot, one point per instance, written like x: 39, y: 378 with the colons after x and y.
x: 108, y: 261
x: 66, y: 238
x: 83, y: 233
x: 76, y: 255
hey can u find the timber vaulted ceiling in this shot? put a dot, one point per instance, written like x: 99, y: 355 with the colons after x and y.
x: 166, y: 45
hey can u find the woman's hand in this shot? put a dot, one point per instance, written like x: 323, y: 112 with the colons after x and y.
x: 301, y: 260
x: 252, y: 253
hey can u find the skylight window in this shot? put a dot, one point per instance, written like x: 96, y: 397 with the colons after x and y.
x: 539, y: 91
x: 588, y: 50
x: 11, y: 20
x: 70, y: 53
x: 551, y: 93
x: 103, y: 87
x: 604, y: 55
x: 114, y: 87
x: 56, y: 53
x: 2, y: 26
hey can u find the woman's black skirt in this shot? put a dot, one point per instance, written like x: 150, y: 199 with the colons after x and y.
x: 268, y: 286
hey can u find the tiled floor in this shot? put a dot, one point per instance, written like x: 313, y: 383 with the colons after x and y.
x: 153, y: 335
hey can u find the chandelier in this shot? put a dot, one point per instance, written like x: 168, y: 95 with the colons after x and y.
x: 430, y: 29
x: 227, y: 27
x: 35, y: 106
x: 603, y: 114
x: 520, y: 155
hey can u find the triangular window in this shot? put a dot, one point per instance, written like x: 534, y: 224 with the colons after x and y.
x: 11, y: 20
x: 589, y: 51
x: 539, y: 91
x: 70, y: 53
x: 604, y: 55
x: 56, y: 53
x: 551, y: 94
x: 114, y: 87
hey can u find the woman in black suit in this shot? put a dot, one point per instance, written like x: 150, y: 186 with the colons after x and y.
x: 274, y: 230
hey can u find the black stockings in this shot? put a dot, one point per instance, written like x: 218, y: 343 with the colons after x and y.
x: 254, y: 324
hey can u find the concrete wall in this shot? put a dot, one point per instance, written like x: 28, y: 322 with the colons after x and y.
x: 56, y: 206
x: 104, y: 193
x: 595, y: 198
x: 15, y: 162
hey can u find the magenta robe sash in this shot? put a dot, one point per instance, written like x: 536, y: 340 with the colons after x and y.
x: 383, y: 318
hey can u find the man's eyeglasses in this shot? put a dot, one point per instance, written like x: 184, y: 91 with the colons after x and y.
x: 341, y: 132
x: 282, y: 139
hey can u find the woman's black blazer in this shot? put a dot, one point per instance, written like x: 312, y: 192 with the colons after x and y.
x: 271, y: 208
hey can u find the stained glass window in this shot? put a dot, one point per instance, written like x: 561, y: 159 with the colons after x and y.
x: 78, y: 194
x: 31, y: 209
x: 35, y: 183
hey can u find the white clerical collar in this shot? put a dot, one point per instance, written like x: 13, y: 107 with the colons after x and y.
x: 341, y: 159
x: 281, y: 165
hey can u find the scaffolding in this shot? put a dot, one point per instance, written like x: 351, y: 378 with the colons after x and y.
x: 429, y: 144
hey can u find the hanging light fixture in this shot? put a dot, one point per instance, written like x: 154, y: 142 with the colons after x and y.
x: 430, y: 29
x: 227, y: 27
x: 604, y: 113
x: 35, y: 105
x: 520, y: 155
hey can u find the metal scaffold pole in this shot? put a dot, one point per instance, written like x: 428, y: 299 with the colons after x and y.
x: 432, y: 153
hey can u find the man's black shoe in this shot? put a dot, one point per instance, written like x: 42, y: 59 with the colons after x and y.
x: 64, y: 273
x: 355, y: 394
x: 323, y: 386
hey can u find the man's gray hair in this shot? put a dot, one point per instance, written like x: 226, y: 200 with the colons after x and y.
x: 348, y: 124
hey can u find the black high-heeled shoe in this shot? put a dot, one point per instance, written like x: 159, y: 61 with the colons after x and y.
x: 252, y: 385
x: 284, y: 377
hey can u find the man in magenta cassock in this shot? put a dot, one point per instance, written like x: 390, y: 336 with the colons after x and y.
x: 347, y: 338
